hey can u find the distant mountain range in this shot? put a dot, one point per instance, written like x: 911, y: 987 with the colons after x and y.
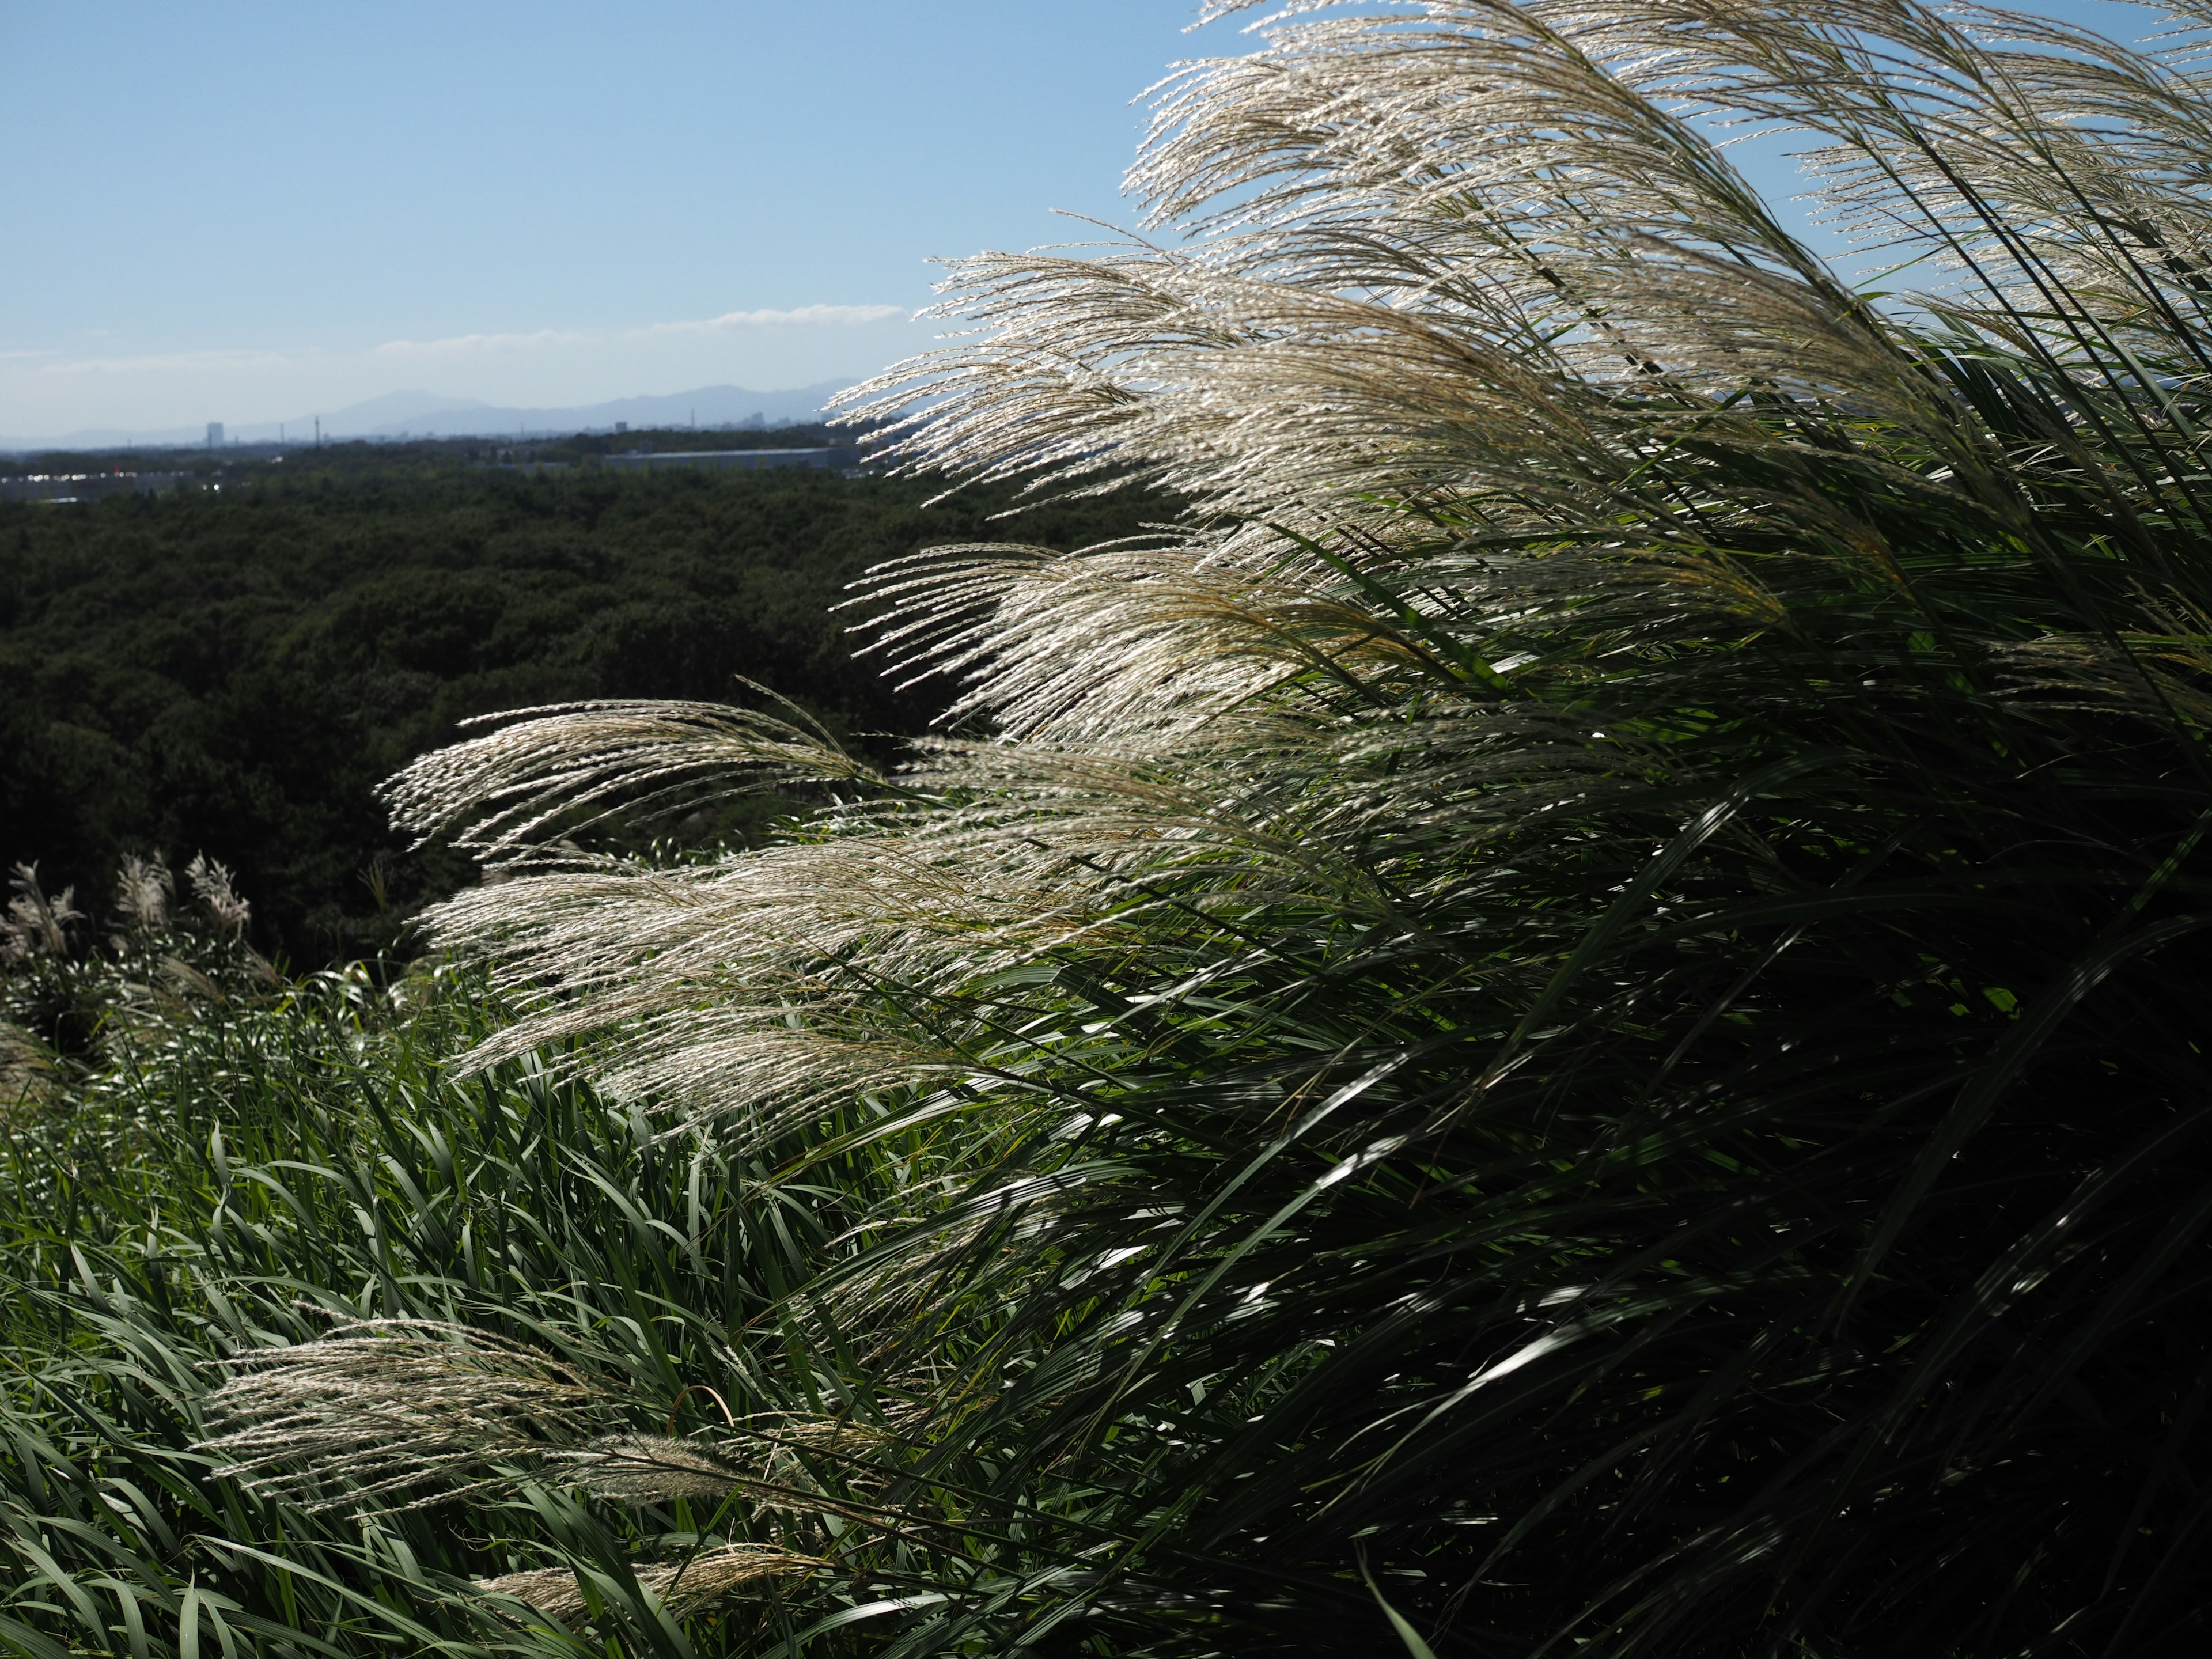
x: 428, y: 415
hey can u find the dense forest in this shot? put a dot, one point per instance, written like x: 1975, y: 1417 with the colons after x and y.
x: 231, y: 668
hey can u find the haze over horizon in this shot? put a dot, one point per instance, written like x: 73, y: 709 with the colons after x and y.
x: 416, y: 413
x: 252, y: 213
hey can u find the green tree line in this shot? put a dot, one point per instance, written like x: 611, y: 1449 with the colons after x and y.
x: 234, y: 669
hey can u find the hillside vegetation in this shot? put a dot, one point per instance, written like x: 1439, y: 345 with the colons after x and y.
x: 1566, y: 1018
x: 233, y: 669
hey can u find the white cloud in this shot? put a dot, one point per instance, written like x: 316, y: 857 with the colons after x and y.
x: 466, y: 345
x: 848, y: 315
x: 54, y: 392
x: 469, y: 344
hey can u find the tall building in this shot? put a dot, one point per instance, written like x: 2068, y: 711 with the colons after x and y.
x: 215, y: 434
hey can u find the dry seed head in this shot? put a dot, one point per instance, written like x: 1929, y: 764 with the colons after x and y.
x: 648, y: 1468
x: 1460, y: 277
x: 554, y: 1591
x: 213, y: 886
x: 143, y: 890
x: 502, y: 791
x: 36, y: 924
x: 682, y: 1586
x: 388, y: 1408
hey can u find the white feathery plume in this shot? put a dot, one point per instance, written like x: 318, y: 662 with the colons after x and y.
x: 556, y: 760
x: 755, y: 984
x: 144, y: 890
x: 35, y: 924
x: 213, y: 885
x: 652, y: 1469
x: 1146, y: 758
x: 684, y: 1586
x: 1434, y: 289
x: 385, y: 1408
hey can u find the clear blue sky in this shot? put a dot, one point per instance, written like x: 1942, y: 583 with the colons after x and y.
x: 249, y: 210
x: 252, y: 212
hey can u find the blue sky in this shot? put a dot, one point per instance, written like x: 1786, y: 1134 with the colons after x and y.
x: 249, y: 211
x: 253, y: 211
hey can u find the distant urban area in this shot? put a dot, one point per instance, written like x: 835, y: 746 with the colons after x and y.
x: 62, y: 476
x: 403, y: 416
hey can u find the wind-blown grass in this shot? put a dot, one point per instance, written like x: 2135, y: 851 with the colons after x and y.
x: 1574, y: 1006
x: 545, y: 1301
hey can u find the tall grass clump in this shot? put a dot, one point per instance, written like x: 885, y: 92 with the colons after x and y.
x: 1566, y: 1017
x: 277, y: 1283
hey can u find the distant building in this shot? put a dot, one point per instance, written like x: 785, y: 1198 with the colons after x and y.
x: 842, y: 457
x: 58, y: 487
x: 215, y: 434
x: 621, y: 426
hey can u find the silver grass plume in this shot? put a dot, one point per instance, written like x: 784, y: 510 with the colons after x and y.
x: 394, y: 1409
x: 35, y: 924
x: 646, y: 1469
x: 143, y: 891
x: 424, y: 1412
x: 1519, y: 257
x: 1433, y: 296
x: 1390, y: 290
x: 214, y: 887
x: 684, y: 1586
x: 565, y: 758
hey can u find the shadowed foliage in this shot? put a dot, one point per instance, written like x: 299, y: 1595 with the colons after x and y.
x: 236, y: 669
